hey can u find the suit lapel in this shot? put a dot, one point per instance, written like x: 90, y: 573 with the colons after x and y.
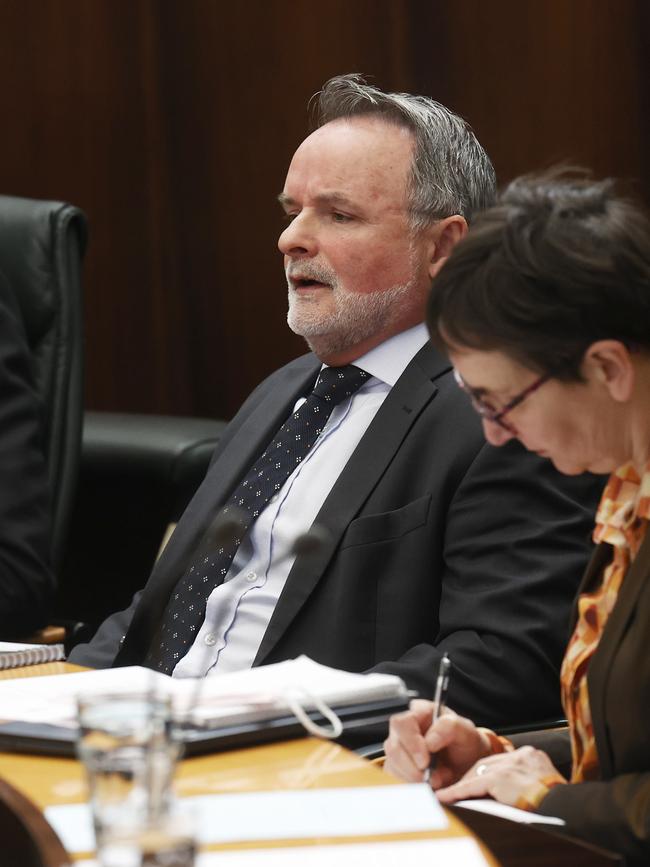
x: 406, y: 400
x: 245, y: 447
x: 600, y: 557
x: 260, y: 427
x: 601, y: 664
x: 226, y: 472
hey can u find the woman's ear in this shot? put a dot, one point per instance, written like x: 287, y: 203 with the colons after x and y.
x: 444, y: 235
x: 610, y: 363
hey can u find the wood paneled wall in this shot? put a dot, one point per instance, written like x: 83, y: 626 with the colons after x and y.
x: 172, y: 123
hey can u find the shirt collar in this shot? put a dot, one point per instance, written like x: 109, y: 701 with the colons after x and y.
x: 389, y: 360
x: 626, y: 499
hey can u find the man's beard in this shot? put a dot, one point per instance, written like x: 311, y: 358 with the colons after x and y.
x: 354, y: 317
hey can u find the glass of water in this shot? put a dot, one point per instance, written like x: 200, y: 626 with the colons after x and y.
x: 129, y: 752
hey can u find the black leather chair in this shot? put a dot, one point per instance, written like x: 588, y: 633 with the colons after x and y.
x: 41, y: 247
x: 42, y: 244
x: 138, y: 472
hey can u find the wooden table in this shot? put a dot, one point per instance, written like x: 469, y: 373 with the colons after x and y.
x: 306, y: 763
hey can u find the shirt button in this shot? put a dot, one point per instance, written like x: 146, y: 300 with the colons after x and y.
x: 210, y: 639
x: 251, y: 576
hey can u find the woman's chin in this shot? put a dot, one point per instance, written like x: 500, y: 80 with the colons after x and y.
x: 568, y: 467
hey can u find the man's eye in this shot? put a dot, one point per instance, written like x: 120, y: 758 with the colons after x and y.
x: 288, y: 218
x: 340, y: 218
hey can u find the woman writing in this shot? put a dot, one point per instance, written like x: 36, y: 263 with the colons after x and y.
x: 544, y: 311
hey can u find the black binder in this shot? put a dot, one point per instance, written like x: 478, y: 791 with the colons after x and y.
x: 53, y: 740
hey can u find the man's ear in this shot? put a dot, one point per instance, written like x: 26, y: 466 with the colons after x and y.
x: 445, y: 234
x: 610, y: 363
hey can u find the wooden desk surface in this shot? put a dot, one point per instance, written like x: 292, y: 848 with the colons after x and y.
x: 40, y: 670
x: 299, y: 764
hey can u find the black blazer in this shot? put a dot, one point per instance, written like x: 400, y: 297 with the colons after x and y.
x: 438, y: 542
x: 26, y: 580
x: 614, y: 812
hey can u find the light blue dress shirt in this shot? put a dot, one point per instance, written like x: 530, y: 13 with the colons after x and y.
x: 239, y: 610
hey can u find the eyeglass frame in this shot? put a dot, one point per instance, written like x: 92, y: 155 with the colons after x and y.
x: 498, y: 416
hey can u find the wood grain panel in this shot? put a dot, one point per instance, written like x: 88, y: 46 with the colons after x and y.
x: 172, y: 125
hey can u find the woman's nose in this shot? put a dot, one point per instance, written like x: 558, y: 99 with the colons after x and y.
x: 495, y: 433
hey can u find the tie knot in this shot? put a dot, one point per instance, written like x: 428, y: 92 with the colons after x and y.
x: 337, y: 383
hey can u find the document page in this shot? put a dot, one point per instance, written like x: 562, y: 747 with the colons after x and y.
x: 460, y: 851
x: 53, y: 699
x: 13, y: 646
x: 243, y: 696
x: 284, y: 815
x: 494, y: 808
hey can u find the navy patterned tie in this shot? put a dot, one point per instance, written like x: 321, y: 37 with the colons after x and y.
x: 185, y: 610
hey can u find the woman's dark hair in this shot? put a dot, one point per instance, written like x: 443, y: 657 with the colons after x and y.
x: 559, y: 262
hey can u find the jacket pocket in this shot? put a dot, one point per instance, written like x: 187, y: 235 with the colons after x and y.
x: 385, y: 526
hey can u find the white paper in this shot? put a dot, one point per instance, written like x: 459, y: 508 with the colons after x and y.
x: 253, y: 694
x: 459, y: 851
x: 12, y: 646
x: 74, y: 826
x: 494, y: 808
x: 280, y: 815
x: 53, y: 699
x: 284, y: 815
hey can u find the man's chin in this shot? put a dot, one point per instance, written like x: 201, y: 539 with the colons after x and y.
x: 305, y: 326
x: 310, y: 315
x: 324, y: 345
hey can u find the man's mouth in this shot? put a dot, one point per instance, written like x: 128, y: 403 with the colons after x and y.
x: 299, y: 283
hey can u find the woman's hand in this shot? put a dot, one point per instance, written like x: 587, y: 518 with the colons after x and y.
x: 456, y: 741
x: 506, y: 777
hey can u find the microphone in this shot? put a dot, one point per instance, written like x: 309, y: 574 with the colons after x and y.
x: 311, y: 542
x: 228, y: 528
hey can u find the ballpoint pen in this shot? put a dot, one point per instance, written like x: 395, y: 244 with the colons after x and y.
x: 439, y: 701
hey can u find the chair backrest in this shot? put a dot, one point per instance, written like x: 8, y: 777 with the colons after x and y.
x: 160, y: 461
x: 27, y: 839
x: 41, y: 247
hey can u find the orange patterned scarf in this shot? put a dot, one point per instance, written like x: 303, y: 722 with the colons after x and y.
x: 621, y: 521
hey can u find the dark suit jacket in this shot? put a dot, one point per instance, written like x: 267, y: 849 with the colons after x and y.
x: 615, y: 811
x: 438, y: 542
x: 26, y: 581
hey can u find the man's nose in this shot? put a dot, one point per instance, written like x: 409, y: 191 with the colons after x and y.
x: 299, y: 238
x: 495, y: 434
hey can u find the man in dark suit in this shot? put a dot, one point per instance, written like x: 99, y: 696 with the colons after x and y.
x: 26, y: 579
x: 433, y: 541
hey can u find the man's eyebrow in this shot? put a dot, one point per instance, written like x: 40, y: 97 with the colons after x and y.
x: 328, y: 198
x: 334, y: 198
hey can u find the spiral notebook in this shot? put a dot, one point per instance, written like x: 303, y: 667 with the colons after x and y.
x: 15, y: 655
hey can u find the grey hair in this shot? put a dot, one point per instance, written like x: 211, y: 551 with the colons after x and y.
x: 451, y: 173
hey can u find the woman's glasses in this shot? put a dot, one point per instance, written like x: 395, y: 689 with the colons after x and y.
x: 491, y: 413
